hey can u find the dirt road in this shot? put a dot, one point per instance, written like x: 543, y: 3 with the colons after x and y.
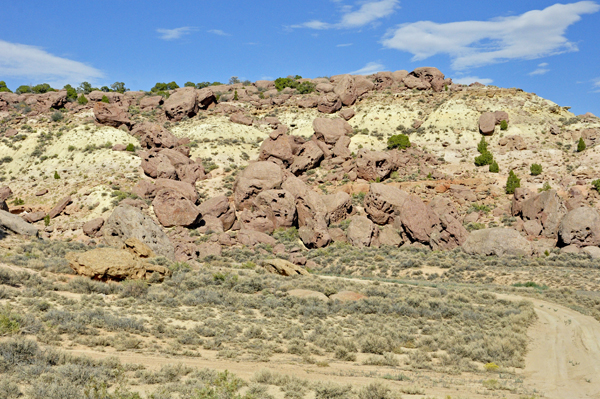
x: 564, y: 354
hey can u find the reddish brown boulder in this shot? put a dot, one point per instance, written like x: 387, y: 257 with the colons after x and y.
x: 547, y: 209
x: 413, y: 82
x: 191, y: 173
x: 144, y: 189
x: 152, y: 135
x: 251, y: 238
x: 256, y: 220
x: 53, y: 99
x: 453, y: 234
x: 58, y: 208
x: 173, y: 209
x: 580, y: 227
x: 331, y: 130
x: 279, y: 207
x: 183, y: 102
x: 361, y: 231
x: 362, y: 85
x: 383, y: 80
x: 111, y: 115
x: 519, y: 197
x: 150, y: 102
x: 338, y: 206
x: 33, y: 217
x: 382, y: 202
x: 5, y: 193
x: 314, y: 233
x: 220, y: 208
x: 184, y: 188
x: 257, y: 177
x: 241, y: 119
x: 344, y: 88
x: 92, y: 227
x: 347, y: 114
x: 373, y: 165
x: 309, y: 156
x: 390, y: 236
x: 487, y: 123
x: 277, y: 148
x: 119, y: 147
x: 308, y: 102
x: 329, y: 103
x: 501, y: 116
x: 418, y: 220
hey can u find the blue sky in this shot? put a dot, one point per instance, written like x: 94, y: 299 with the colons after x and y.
x: 544, y: 47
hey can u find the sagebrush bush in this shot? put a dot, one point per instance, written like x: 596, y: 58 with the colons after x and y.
x: 535, y: 169
x: 57, y: 116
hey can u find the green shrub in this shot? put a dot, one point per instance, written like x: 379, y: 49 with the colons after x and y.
x: 18, y: 201
x: 57, y: 116
x: 512, y: 183
x: 158, y: 87
x: 71, y: 93
x: 303, y: 88
x: 494, y: 168
x: 306, y: 87
x: 482, y: 147
x: 503, y: 125
x: 56, y: 176
x: 105, y: 99
x: 486, y: 158
x: 3, y: 87
x: 398, y: 141
x: 81, y: 100
x: 119, y: 87
x: 596, y: 184
x: 23, y: 89
x: 235, y: 96
x: 545, y: 187
x: 535, y: 169
x: 47, y: 220
x: 130, y: 147
x: 191, y: 84
x: 581, y: 145
x: 42, y: 88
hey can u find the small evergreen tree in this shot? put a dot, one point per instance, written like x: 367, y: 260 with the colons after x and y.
x: 47, y: 220
x: 71, y: 93
x: 23, y: 89
x: 105, y: 99
x: 482, y: 146
x: 503, y: 125
x: 235, y: 96
x: 56, y: 176
x: 494, y: 168
x: 596, y: 185
x: 81, y: 100
x: 512, y: 183
x: 581, y: 145
x: 3, y: 87
x: 485, y: 158
x: 535, y: 169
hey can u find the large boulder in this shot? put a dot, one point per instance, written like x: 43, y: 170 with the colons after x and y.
x: 256, y: 178
x: 338, y: 206
x: 60, y: 206
x: 111, y: 115
x: 519, y: 197
x: 580, y: 227
x: 382, y: 202
x: 5, y: 193
x: 16, y: 224
x: 172, y: 208
x: 183, y: 188
x: 113, y: 264
x: 126, y: 222
x: 413, y: 82
x: 52, y: 100
x: 453, y: 234
x: 283, y: 267
x: 314, y: 233
x: 279, y: 207
x: 373, y: 165
x: 220, y: 208
x: 430, y: 75
x: 547, y: 209
x: 331, y: 130
x: 329, y: 103
x: 278, y: 148
x: 152, y: 135
x: 309, y: 156
x: 497, y: 241
x: 183, y: 102
x: 361, y: 231
x: 344, y: 88
x: 92, y: 228
x: 487, y: 123
x: 418, y: 220
x: 251, y: 238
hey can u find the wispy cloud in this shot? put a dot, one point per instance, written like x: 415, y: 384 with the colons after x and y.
x: 541, y: 70
x: 467, y: 80
x: 345, y: 45
x: 177, y: 33
x: 24, y: 61
x: 218, y: 32
x: 596, y: 85
x: 369, y: 12
x: 532, y: 35
x: 369, y: 69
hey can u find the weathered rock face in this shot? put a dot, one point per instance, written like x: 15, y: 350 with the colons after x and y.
x: 453, y: 234
x: 183, y: 102
x: 513, y: 143
x: 278, y: 148
x: 344, y: 88
x: 183, y: 188
x: 220, y: 208
x: 418, y: 220
x: 497, y: 241
x: 172, y: 208
x: 5, y: 193
x: 113, y: 264
x: 241, y: 119
x: 126, y: 222
x: 373, y: 165
x: 547, y: 209
x: 580, y: 227
x: 256, y: 178
x: 152, y: 135
x: 251, y: 238
x: 31, y: 217
x: 309, y: 156
x: 331, y: 130
x: 92, y: 227
x: 520, y: 196
x: 314, y: 233
x: 413, y: 82
x: 338, y: 206
x: 16, y: 224
x: 60, y: 207
x: 111, y: 115
x: 361, y: 231
x: 487, y: 123
x: 53, y: 99
x: 390, y: 236
x: 279, y: 207
x: 329, y: 103
x: 383, y: 201
x: 283, y: 267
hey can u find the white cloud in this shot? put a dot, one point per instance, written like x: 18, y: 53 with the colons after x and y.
x: 539, y: 71
x: 369, y: 12
x: 467, y: 80
x: 596, y: 83
x: 369, y: 69
x: 30, y: 62
x: 218, y: 32
x: 344, y: 45
x: 531, y: 35
x: 177, y: 33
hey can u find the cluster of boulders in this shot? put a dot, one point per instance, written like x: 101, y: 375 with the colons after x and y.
x: 39, y: 103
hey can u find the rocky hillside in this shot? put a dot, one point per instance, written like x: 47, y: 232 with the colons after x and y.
x: 192, y: 172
